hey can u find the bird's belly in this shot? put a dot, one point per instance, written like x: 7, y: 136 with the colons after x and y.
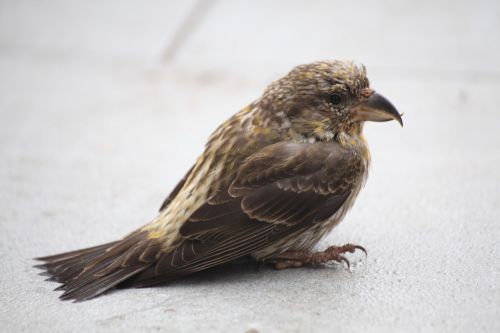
x: 305, y: 240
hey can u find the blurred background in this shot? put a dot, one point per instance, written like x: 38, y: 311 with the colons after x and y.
x: 104, y: 105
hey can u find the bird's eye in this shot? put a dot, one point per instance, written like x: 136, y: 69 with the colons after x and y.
x: 335, y: 99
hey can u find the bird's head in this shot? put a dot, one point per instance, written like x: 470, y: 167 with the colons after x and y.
x: 322, y: 99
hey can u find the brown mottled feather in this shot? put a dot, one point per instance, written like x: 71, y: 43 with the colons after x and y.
x: 265, y: 206
x: 293, y: 192
x: 273, y: 172
x: 176, y: 190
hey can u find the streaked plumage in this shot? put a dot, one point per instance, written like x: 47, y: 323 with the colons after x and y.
x: 275, y: 177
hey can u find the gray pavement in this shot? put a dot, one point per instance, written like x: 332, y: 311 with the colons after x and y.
x: 105, y: 104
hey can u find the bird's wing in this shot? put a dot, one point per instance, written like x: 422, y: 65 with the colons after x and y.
x: 278, y: 191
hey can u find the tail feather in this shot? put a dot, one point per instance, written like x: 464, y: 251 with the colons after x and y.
x: 95, y: 287
x: 65, y: 266
x: 87, y: 273
x: 72, y: 254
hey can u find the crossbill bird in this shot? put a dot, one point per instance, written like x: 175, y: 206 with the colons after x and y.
x: 272, y: 181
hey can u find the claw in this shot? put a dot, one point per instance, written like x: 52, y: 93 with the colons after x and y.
x: 344, y: 259
x: 359, y: 247
x: 301, y: 258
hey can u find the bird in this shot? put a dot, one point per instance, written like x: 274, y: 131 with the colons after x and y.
x: 272, y: 181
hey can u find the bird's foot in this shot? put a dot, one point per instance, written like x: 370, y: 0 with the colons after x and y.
x: 291, y: 259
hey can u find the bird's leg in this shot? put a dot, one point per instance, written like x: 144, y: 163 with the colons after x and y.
x: 300, y: 258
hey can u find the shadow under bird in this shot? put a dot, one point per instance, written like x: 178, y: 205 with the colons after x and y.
x: 272, y: 181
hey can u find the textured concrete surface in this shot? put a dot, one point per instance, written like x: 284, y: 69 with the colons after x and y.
x: 97, y: 125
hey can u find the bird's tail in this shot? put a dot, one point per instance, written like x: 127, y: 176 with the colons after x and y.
x: 87, y: 273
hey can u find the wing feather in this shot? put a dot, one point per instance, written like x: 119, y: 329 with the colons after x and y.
x: 279, y: 191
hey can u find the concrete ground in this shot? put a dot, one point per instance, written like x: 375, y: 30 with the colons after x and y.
x: 105, y: 104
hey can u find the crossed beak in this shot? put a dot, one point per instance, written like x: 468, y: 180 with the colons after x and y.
x: 376, y: 108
